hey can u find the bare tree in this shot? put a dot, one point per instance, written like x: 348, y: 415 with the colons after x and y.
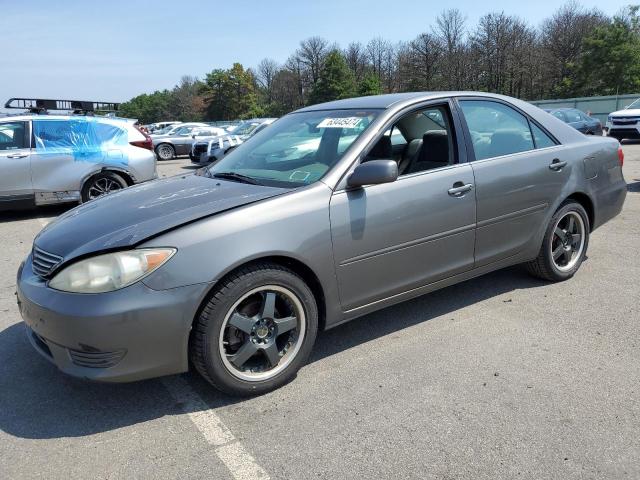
x: 312, y: 53
x: 381, y: 56
x: 562, y: 37
x: 266, y: 72
x: 356, y: 59
x: 450, y: 32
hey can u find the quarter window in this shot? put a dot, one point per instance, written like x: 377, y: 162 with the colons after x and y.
x: 496, y: 129
x: 12, y: 136
x: 541, y: 138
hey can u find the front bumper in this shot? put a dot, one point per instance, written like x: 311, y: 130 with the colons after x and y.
x: 130, y: 334
x: 622, y: 132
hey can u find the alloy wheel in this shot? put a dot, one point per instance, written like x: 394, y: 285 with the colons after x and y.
x: 568, y: 241
x: 165, y: 152
x: 262, y: 333
x: 102, y: 186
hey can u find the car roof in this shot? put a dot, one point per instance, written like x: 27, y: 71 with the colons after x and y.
x: 388, y: 100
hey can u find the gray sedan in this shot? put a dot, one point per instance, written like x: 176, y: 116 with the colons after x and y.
x: 179, y: 141
x: 236, y: 268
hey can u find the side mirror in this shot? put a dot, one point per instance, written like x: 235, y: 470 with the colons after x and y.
x: 373, y: 172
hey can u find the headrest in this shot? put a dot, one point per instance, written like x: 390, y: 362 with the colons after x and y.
x: 381, y: 150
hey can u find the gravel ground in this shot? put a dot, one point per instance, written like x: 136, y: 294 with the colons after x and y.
x: 499, y: 377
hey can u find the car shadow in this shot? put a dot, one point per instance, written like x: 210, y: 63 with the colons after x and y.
x: 51, y: 211
x: 39, y: 402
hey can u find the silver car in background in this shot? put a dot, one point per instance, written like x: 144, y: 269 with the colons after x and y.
x: 180, y: 139
x: 212, y: 149
x: 47, y: 159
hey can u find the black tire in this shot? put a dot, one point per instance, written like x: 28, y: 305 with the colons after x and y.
x: 165, y: 151
x: 544, y: 266
x: 206, y: 344
x: 105, y: 182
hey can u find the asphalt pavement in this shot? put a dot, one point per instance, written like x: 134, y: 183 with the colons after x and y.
x: 503, y: 376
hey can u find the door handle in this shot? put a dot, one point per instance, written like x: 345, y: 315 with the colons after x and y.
x: 17, y: 155
x: 459, y: 189
x: 557, y: 165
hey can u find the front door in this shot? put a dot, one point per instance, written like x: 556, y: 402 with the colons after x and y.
x: 394, y: 237
x: 15, y: 162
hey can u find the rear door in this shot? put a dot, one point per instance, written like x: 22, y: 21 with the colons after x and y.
x: 15, y: 161
x: 519, y: 172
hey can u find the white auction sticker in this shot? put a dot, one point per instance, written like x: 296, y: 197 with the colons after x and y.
x: 345, y: 122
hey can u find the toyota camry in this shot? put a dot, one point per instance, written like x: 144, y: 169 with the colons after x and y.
x: 234, y: 269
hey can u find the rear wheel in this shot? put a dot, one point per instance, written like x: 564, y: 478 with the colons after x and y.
x: 565, y: 244
x: 165, y: 151
x: 256, y: 331
x: 102, y: 184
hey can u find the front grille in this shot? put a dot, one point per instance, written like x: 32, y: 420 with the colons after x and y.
x: 199, y: 148
x: 625, y: 120
x: 96, y: 359
x: 43, y: 262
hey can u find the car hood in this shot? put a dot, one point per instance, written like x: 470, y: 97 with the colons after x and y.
x: 633, y: 112
x: 135, y: 214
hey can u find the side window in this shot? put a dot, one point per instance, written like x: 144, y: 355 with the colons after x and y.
x: 541, y: 139
x: 559, y: 115
x: 496, y: 129
x: 421, y: 140
x: 573, y: 116
x: 12, y: 135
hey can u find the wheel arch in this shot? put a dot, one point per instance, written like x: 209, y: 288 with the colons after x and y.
x: 125, y: 174
x: 586, y: 202
x: 297, y: 266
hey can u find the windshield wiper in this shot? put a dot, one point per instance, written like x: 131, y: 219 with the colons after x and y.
x: 237, y: 177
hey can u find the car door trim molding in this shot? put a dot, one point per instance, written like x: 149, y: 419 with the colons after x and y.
x: 405, y: 245
x: 508, y: 216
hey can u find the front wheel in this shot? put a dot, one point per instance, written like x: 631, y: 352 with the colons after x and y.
x: 565, y: 244
x: 256, y: 331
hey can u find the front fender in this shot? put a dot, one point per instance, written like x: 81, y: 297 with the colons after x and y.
x: 295, y: 225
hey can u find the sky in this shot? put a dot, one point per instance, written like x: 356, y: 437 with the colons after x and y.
x: 112, y: 50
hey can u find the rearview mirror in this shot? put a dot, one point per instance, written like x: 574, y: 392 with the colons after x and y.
x: 373, y: 172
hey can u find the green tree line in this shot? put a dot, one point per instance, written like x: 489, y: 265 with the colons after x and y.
x: 574, y: 52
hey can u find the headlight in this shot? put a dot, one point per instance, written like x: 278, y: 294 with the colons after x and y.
x: 105, y: 273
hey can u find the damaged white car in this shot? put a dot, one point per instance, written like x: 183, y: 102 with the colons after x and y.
x: 47, y: 159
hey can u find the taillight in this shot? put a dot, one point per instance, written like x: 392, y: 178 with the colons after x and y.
x: 620, y: 156
x: 146, y: 143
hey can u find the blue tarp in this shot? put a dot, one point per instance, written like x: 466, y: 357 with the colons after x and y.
x: 86, y: 139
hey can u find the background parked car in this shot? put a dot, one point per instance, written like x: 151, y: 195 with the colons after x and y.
x: 578, y: 120
x: 48, y: 159
x: 178, y: 128
x: 179, y: 142
x: 153, y: 127
x: 212, y: 149
x: 625, y: 123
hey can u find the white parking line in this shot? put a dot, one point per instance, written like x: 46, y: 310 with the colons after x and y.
x: 44, y: 221
x: 229, y: 450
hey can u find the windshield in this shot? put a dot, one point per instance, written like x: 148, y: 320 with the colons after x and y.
x: 244, y: 128
x: 297, y: 149
x: 635, y: 104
